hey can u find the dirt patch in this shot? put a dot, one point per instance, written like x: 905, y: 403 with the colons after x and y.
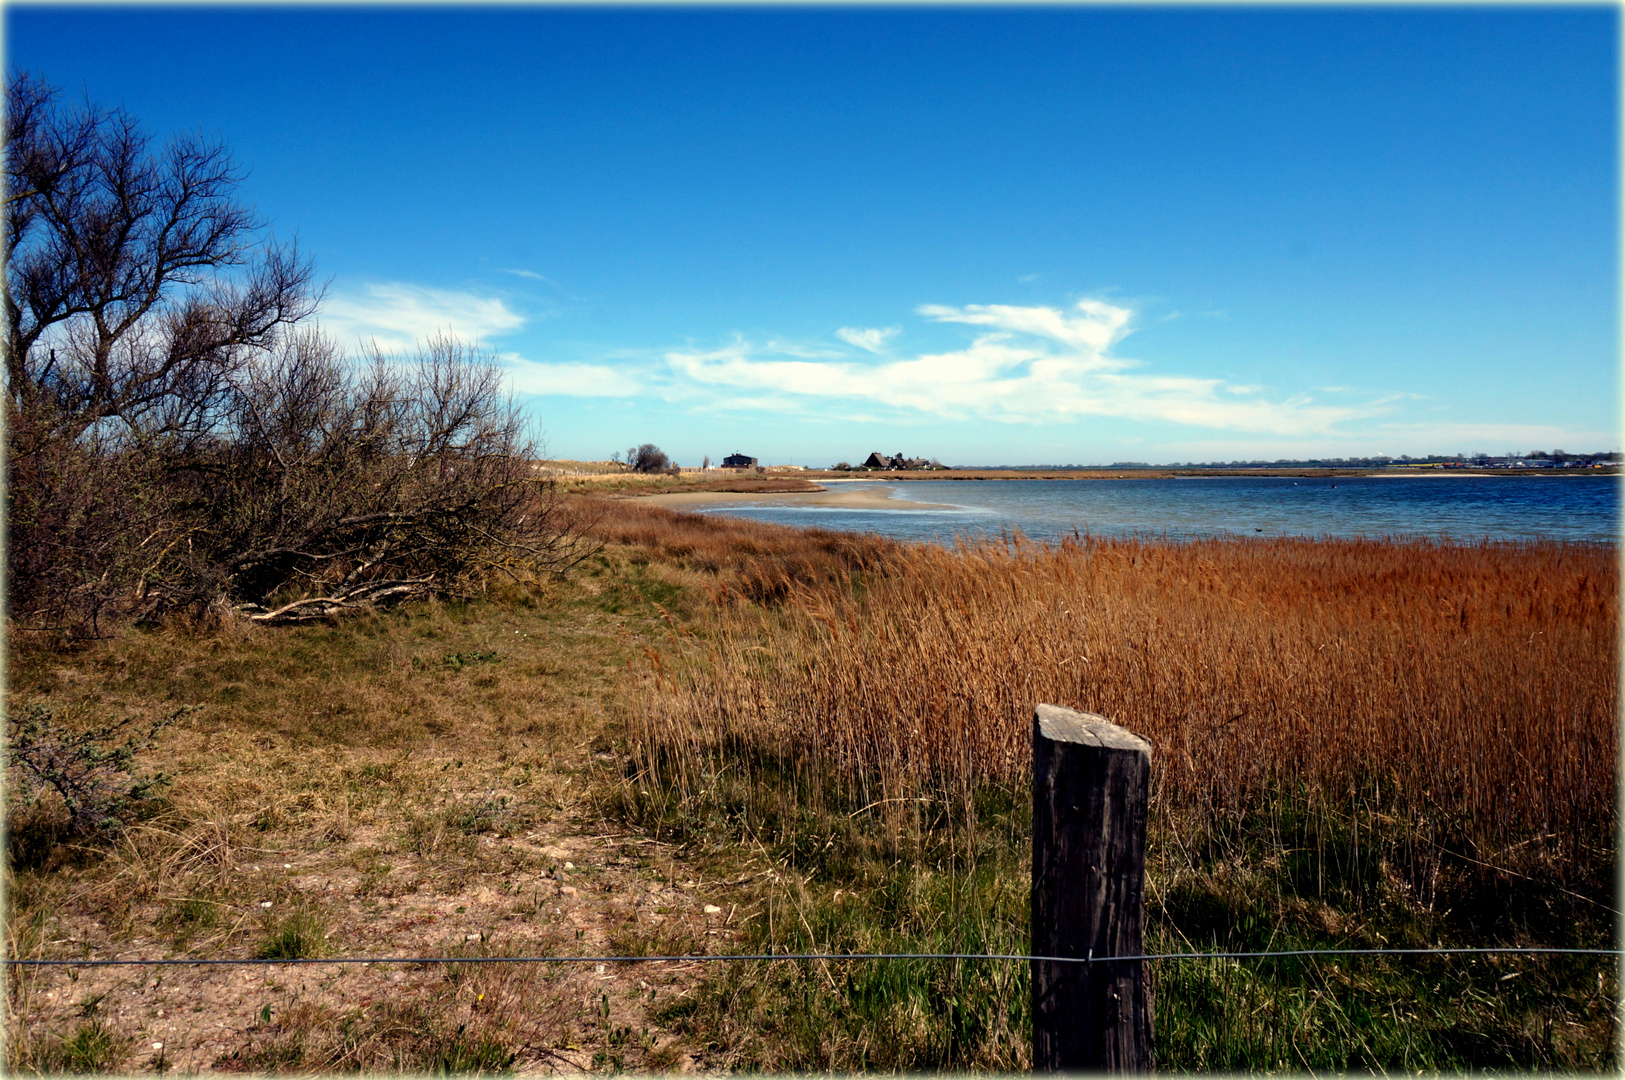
x: 425, y: 784
x: 564, y: 889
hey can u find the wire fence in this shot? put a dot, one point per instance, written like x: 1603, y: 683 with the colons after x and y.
x: 713, y: 957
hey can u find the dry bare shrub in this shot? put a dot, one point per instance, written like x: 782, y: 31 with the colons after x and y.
x: 1466, y: 695
x: 175, y: 441
x: 135, y: 284
x: 316, y: 486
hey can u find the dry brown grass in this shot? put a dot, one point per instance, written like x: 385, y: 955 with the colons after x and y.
x: 1465, y: 695
x: 739, y: 559
x: 384, y: 775
x: 623, y: 484
x: 395, y: 785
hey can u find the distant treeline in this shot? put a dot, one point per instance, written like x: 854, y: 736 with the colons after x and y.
x: 1380, y: 461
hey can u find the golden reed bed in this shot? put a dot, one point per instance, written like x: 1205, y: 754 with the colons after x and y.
x: 1463, y: 695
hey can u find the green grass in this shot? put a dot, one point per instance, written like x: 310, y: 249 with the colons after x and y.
x: 300, y: 934
x: 886, y: 1015
x: 1343, y: 1014
x: 461, y: 1051
x: 845, y: 878
x: 942, y: 875
x: 93, y: 1047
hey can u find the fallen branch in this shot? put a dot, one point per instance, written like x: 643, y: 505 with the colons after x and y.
x: 312, y: 608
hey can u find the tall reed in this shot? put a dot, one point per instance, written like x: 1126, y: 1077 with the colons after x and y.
x: 1461, y: 695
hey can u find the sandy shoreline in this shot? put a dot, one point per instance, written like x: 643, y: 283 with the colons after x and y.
x: 862, y: 499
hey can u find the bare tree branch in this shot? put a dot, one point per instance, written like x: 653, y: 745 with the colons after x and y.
x: 175, y: 439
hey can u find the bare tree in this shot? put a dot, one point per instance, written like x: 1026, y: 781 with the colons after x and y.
x: 134, y: 281
x: 174, y: 439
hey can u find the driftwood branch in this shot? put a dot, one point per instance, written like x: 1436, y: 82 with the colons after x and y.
x: 313, y: 608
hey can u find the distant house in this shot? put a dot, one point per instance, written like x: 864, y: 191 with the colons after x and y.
x: 877, y: 460
x: 736, y: 460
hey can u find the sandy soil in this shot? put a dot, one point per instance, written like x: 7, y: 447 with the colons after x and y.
x: 861, y: 499
x: 490, y: 842
x: 556, y: 890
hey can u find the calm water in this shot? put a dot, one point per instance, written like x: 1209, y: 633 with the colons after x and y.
x: 1461, y: 508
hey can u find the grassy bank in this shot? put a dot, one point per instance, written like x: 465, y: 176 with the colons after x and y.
x: 382, y: 787
x: 721, y: 735
x: 424, y: 780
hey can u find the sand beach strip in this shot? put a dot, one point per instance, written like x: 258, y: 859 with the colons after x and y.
x: 866, y: 498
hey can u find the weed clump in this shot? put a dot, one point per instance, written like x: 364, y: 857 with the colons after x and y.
x: 300, y: 934
x: 473, y: 1019
x: 92, y: 1048
x: 70, y: 780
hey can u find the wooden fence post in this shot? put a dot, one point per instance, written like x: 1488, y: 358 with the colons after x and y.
x: 1091, y: 780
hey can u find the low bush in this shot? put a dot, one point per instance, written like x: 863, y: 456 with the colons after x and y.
x: 71, y: 780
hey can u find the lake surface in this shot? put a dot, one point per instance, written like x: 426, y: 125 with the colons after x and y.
x: 1445, y: 507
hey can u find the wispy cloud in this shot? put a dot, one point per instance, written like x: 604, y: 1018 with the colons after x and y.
x: 567, y: 379
x: 1013, y: 364
x: 873, y: 340
x: 1032, y: 364
x: 397, y: 315
x: 1095, y: 328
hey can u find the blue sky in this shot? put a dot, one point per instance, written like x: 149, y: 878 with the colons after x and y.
x: 1008, y: 235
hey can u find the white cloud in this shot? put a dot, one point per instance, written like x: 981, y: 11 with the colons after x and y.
x: 874, y: 340
x: 567, y: 379
x: 398, y: 316
x: 1097, y: 328
x: 1016, y: 365
x: 1034, y: 364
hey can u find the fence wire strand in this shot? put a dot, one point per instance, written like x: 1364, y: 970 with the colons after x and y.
x: 708, y: 958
